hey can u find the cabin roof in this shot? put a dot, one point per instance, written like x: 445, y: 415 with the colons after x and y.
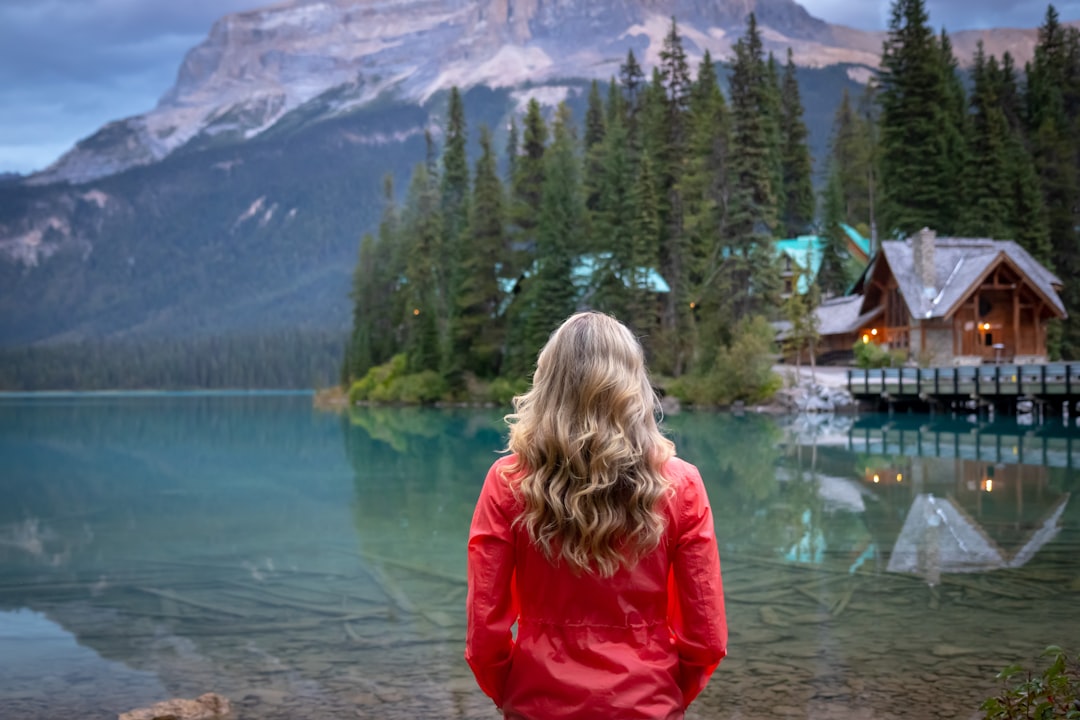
x: 959, y: 265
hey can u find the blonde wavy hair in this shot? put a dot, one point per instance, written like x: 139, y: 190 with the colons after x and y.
x: 589, y: 450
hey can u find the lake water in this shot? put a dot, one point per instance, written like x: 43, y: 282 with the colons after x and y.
x: 310, y: 565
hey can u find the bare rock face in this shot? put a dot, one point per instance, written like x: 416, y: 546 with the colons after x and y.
x: 330, y: 56
x: 210, y: 706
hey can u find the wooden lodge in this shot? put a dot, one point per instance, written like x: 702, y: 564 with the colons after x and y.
x: 948, y: 302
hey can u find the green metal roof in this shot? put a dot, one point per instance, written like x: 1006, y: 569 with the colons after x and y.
x: 806, y: 252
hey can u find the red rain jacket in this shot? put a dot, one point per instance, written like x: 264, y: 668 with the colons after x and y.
x: 638, y: 645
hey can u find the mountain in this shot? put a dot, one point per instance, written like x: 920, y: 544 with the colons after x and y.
x: 331, y: 56
x: 237, y: 203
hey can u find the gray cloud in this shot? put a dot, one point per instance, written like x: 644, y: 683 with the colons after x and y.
x: 67, y: 67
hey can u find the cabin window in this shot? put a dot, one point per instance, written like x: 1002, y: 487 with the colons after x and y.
x: 787, y: 265
x: 989, y: 339
x: 787, y: 285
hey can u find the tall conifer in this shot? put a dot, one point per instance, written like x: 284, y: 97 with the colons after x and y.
x: 797, y: 211
x: 918, y: 174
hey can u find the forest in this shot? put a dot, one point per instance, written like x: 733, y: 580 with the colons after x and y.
x: 661, y: 206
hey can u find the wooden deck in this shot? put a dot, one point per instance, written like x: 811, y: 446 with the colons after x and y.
x: 1001, y: 386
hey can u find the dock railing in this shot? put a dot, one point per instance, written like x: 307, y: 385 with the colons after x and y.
x: 1047, y: 380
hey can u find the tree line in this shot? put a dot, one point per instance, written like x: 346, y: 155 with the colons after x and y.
x: 659, y: 207
x: 668, y: 175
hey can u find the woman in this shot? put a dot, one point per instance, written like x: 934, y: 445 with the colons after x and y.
x: 598, y: 542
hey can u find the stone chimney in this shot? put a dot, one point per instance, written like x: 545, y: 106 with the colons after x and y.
x: 922, y: 252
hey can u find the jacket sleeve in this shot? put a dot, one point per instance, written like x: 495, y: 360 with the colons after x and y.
x: 492, y: 603
x: 695, y: 591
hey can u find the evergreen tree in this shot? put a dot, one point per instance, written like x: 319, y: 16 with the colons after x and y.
x: 832, y: 276
x: 612, y: 221
x: 1052, y: 113
x: 421, y: 238
x: 455, y: 176
x: 641, y: 254
x: 797, y: 212
x: 670, y: 151
x: 454, y: 210
x: 528, y: 185
x: 595, y: 127
x: 359, y: 354
x: 771, y: 109
x: 479, y: 331
x: 748, y: 280
x: 386, y: 307
x: 512, y: 141
x: 851, y: 158
x: 559, y: 237
x: 918, y: 172
x: 955, y: 133
x: 987, y: 210
x: 632, y: 81
x: 704, y: 182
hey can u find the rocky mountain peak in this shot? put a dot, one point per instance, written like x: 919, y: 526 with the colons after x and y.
x: 332, y: 56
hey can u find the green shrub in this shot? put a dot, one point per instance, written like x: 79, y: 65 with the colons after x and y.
x: 502, y: 390
x: 1053, y: 694
x: 872, y: 355
x: 419, y: 388
x: 377, y: 380
x: 741, y: 371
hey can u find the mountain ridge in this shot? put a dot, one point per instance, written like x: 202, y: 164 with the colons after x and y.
x: 257, y: 66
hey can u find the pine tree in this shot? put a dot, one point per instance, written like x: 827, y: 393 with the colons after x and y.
x: 359, y: 353
x: 919, y: 177
x: 512, y: 141
x: 797, y: 212
x: 528, y: 183
x: 455, y: 175
x: 595, y: 128
x: 454, y: 210
x: 670, y: 151
x: 559, y: 237
x: 421, y: 238
x: 1051, y: 103
x: 611, y: 220
x: 704, y: 182
x: 641, y: 254
x: 851, y: 157
x: 955, y: 134
x: 749, y: 280
x: 632, y: 81
x: 832, y: 276
x: 987, y: 210
x: 479, y: 330
x: 387, y: 308
x: 771, y: 116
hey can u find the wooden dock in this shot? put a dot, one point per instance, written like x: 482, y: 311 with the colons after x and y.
x: 1049, y: 388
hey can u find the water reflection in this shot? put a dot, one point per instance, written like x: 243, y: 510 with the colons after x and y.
x: 310, y: 565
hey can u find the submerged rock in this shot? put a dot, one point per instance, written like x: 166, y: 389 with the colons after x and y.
x: 205, y: 707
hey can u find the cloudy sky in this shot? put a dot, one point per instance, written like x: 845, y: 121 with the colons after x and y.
x: 69, y: 66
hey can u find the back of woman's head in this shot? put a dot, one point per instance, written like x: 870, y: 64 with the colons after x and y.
x: 588, y: 448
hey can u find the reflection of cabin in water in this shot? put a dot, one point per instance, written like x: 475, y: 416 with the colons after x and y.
x: 964, y: 515
x: 949, y: 301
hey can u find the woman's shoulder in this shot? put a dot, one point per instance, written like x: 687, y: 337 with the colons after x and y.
x: 679, y: 472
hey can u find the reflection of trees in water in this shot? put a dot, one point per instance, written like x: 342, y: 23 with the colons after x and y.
x: 741, y: 463
x: 417, y: 474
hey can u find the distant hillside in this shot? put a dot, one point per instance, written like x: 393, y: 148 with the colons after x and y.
x: 240, y: 237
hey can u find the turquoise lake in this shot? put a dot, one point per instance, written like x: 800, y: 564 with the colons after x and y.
x: 311, y: 565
